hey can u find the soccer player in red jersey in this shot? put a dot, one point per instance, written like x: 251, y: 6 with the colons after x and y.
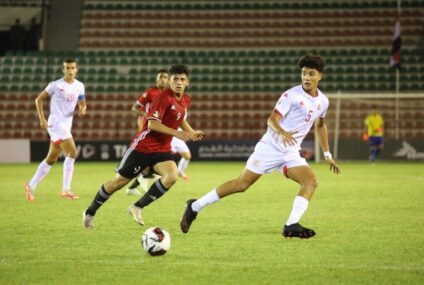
x: 151, y: 147
x: 141, y: 106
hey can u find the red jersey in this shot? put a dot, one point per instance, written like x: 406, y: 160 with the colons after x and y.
x: 147, y: 98
x: 168, y: 110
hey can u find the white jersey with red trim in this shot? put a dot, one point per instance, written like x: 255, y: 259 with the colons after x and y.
x: 64, y: 97
x: 299, y: 110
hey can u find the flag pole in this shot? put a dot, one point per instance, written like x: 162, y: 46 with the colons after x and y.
x: 397, y: 83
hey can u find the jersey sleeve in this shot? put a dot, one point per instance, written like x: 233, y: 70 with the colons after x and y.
x: 159, y: 106
x: 50, y: 88
x: 81, y: 95
x: 325, y: 106
x: 283, y: 104
x: 143, y: 99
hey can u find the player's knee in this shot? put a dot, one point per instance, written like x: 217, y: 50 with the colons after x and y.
x: 169, y: 179
x: 313, y: 183
x: 51, y: 160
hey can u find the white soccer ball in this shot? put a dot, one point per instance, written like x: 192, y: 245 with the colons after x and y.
x: 156, y: 241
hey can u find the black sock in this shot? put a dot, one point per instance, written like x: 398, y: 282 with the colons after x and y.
x: 135, y: 184
x: 155, y: 192
x: 100, y: 198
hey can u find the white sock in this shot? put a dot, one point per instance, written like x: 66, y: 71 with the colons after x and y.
x: 300, y: 205
x: 207, y: 199
x: 42, y: 170
x: 182, y: 165
x: 68, y: 172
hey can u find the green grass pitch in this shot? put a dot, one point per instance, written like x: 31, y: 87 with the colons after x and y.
x: 369, y: 224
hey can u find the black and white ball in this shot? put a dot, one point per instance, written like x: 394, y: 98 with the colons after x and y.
x: 156, y: 241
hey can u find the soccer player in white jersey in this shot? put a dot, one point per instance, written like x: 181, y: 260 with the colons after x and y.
x: 288, y: 124
x: 65, y: 93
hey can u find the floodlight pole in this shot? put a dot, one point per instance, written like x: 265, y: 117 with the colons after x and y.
x: 397, y: 83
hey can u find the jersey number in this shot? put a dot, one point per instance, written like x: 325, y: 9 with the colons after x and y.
x: 309, y: 116
x: 178, y: 116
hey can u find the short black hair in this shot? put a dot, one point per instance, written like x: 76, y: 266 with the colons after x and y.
x: 70, y: 60
x: 162, y: 70
x: 179, y: 69
x: 314, y: 61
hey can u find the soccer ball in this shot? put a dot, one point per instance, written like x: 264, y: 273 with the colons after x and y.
x: 156, y: 241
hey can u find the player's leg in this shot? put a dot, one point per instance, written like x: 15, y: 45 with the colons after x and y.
x: 141, y: 180
x: 169, y: 173
x: 42, y: 170
x: 240, y: 184
x: 165, y: 166
x: 104, y: 193
x: 308, y: 183
x: 183, y: 164
x: 130, y: 166
x: 69, y: 148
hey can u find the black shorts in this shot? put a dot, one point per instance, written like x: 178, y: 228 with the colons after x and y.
x: 134, y: 162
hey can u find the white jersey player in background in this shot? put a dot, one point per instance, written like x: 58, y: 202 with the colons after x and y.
x: 292, y: 118
x: 64, y: 95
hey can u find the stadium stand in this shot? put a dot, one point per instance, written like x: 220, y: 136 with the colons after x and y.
x: 242, y: 55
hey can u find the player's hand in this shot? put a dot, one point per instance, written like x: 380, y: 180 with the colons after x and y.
x: 43, y: 123
x: 333, y: 165
x: 198, y: 135
x: 287, y: 139
x: 82, y: 112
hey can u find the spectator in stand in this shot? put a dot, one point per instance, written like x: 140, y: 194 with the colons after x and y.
x: 17, y: 35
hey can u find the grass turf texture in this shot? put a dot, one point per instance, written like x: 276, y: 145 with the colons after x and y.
x: 369, y: 224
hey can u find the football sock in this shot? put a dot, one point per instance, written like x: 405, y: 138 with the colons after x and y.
x: 135, y: 184
x: 155, y: 192
x: 68, y: 172
x: 182, y: 165
x: 300, y: 205
x: 207, y: 199
x: 42, y: 170
x: 100, y: 198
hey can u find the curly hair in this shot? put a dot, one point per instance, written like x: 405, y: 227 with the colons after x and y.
x: 314, y: 61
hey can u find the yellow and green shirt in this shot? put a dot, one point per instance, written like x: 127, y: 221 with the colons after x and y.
x: 374, y: 122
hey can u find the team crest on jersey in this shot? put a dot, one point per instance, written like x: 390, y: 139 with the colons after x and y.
x: 286, y: 95
x: 156, y: 114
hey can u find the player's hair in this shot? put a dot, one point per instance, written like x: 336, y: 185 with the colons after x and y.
x: 314, y: 61
x: 179, y: 69
x: 162, y: 70
x: 70, y: 60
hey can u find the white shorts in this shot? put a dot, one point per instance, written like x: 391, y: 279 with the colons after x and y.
x: 59, y: 132
x: 267, y: 158
x: 178, y: 146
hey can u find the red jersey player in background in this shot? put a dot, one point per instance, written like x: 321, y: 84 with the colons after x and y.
x: 141, y: 106
x: 151, y: 147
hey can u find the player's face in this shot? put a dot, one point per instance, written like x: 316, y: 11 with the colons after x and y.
x: 178, y: 83
x: 69, y: 70
x: 310, y: 79
x: 162, y: 80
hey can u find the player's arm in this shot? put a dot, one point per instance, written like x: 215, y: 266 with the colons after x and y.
x: 323, y: 139
x: 157, y: 126
x: 136, y: 109
x: 82, y: 107
x: 274, y: 123
x: 186, y: 127
x: 39, y: 104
